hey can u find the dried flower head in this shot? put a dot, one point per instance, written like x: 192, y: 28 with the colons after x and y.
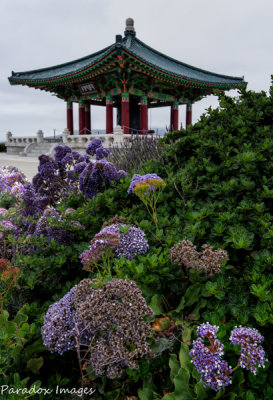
x: 185, y: 254
x: 115, y: 314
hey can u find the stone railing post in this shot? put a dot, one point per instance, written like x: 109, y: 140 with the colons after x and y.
x: 65, y: 134
x: 8, y: 136
x: 40, y: 136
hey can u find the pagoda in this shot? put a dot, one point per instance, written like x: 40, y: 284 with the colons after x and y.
x: 130, y: 76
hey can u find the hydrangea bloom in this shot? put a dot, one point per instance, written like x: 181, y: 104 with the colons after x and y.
x: 2, y: 211
x: 62, y: 324
x: 208, y: 361
x: 252, y: 356
x: 122, y: 174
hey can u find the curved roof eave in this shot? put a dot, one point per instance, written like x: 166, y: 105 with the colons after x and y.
x: 62, y: 70
x: 175, y: 68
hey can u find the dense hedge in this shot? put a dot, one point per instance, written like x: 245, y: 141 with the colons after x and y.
x: 220, y: 192
x: 3, y: 148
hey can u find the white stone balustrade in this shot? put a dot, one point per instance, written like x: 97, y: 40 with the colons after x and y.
x: 16, y: 144
x: 25, y: 145
x: 117, y: 138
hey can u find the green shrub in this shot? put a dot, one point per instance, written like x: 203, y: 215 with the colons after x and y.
x: 219, y: 191
x: 3, y: 148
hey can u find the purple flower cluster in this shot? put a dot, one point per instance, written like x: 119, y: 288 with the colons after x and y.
x: 52, y: 226
x: 111, y: 239
x: 9, y: 226
x: 12, y: 179
x: 33, y: 203
x: 111, y: 321
x: 140, y: 178
x: 208, y: 361
x: 97, y: 177
x: 95, y: 148
x: 103, y: 243
x: 208, y: 331
x: 251, y: 355
x: 62, y: 325
x: 131, y: 243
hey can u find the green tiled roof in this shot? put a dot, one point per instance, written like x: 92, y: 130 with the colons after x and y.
x: 62, y: 70
x: 136, y: 49
x: 171, y: 66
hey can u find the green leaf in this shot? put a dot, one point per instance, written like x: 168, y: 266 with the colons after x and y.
x: 181, y: 383
x: 174, y: 366
x: 201, y: 392
x: 20, y: 318
x: 34, y: 364
x: 155, y: 304
x: 181, y: 305
x: 250, y: 395
x: 184, y: 355
x: 192, y: 294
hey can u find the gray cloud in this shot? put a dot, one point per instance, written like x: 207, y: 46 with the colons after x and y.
x: 229, y: 37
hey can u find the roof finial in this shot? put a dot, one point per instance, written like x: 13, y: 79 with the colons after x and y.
x: 129, y: 29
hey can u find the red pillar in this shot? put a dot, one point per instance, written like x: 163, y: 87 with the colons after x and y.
x: 189, y: 114
x: 125, y: 112
x: 174, y: 117
x: 81, y: 118
x: 69, y: 117
x: 87, y: 113
x: 109, y: 114
x: 143, y: 116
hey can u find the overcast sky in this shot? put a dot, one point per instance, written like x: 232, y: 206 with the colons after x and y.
x: 231, y: 37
